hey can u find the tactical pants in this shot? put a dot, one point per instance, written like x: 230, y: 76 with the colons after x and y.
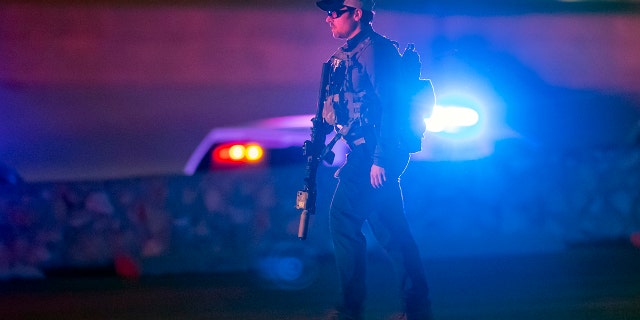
x: 355, y: 201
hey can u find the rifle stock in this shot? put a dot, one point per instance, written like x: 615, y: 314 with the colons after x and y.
x: 313, y: 151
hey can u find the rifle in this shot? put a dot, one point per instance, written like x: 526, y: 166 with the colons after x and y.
x: 315, y: 151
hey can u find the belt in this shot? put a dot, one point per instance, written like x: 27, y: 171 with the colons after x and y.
x: 356, y: 142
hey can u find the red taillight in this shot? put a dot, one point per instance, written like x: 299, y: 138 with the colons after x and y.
x: 237, y: 153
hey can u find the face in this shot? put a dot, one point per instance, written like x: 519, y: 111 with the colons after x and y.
x: 344, y: 23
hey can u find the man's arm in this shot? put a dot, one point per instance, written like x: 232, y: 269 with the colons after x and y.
x: 378, y: 176
x: 382, y: 63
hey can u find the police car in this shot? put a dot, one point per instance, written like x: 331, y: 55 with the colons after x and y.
x: 455, y: 132
x: 265, y: 143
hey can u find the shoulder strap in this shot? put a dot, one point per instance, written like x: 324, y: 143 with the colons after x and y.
x: 343, y: 55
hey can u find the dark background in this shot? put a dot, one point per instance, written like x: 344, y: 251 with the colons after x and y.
x: 114, y: 89
x: 102, y: 103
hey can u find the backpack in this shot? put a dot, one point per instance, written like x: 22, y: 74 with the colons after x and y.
x: 417, y: 100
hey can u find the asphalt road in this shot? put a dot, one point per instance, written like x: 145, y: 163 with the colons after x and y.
x: 592, y: 282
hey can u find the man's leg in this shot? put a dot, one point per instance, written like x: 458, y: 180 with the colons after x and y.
x: 390, y: 227
x: 350, y: 249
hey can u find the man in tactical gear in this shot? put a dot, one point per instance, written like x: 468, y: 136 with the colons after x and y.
x: 361, y: 104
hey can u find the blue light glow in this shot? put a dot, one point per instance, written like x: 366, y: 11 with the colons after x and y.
x: 451, y: 119
x: 462, y: 125
x: 288, y: 267
x: 458, y: 116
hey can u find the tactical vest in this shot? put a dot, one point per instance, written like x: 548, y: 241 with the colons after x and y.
x: 350, y: 108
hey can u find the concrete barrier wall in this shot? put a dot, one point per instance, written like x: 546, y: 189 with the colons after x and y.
x: 513, y: 202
